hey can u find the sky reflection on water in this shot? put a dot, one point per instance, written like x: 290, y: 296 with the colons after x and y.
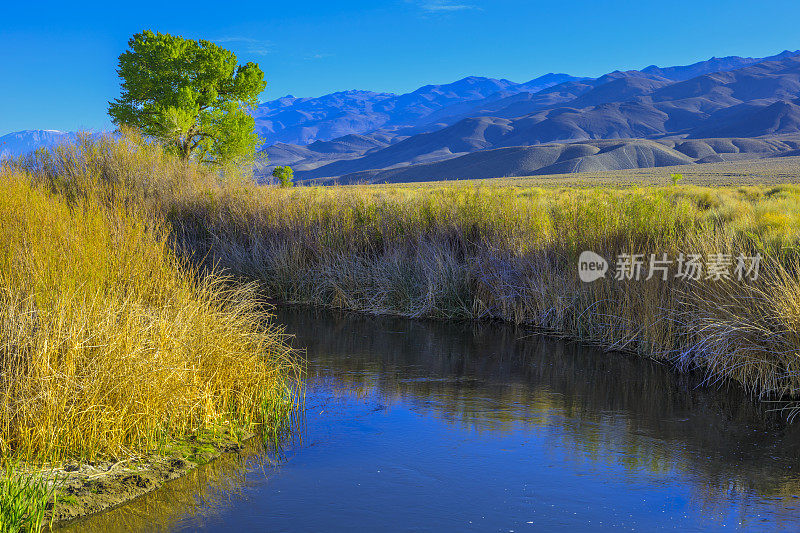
x: 431, y: 427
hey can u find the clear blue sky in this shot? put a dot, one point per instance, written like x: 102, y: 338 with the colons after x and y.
x: 58, y: 60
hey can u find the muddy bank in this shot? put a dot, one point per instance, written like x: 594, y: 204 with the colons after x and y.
x: 97, y: 486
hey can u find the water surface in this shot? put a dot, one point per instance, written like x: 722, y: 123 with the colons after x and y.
x: 416, y: 426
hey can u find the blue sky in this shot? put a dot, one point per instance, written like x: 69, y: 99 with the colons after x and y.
x: 58, y: 60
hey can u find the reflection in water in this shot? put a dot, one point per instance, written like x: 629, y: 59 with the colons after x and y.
x: 528, y: 430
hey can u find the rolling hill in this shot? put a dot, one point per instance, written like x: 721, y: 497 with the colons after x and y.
x: 581, y: 156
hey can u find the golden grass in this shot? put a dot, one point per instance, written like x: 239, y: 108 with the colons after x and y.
x: 110, y: 343
x: 489, y: 250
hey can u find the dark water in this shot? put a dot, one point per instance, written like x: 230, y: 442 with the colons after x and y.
x: 415, y: 426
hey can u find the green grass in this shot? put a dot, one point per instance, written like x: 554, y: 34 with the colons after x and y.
x: 24, y: 499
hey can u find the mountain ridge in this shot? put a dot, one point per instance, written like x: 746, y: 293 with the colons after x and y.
x: 306, y: 120
x: 757, y: 99
x: 19, y: 143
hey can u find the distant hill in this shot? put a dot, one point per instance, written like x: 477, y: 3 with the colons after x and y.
x: 582, y: 156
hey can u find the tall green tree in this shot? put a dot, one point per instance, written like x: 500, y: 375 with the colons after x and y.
x: 191, y: 95
x: 284, y: 175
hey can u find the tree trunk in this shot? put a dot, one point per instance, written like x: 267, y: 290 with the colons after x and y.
x: 186, y: 151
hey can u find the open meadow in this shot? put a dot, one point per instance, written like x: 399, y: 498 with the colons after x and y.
x: 765, y: 171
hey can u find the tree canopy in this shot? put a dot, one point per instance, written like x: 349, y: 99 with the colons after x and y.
x: 191, y: 95
x: 284, y: 174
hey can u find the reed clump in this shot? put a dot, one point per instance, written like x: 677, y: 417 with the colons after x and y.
x: 111, y: 344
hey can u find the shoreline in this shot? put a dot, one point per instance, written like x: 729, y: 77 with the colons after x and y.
x: 92, y: 488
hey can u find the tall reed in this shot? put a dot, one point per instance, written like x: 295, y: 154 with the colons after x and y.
x: 110, y: 344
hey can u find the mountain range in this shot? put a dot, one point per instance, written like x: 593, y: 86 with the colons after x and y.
x: 483, y: 127
x: 22, y: 142
x: 305, y: 120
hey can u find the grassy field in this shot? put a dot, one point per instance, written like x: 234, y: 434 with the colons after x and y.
x: 767, y: 171
x: 112, y: 345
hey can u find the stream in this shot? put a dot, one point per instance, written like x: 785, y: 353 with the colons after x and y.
x: 427, y: 426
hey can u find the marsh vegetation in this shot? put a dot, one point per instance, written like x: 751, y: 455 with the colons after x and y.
x: 510, y: 253
x: 478, y: 251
